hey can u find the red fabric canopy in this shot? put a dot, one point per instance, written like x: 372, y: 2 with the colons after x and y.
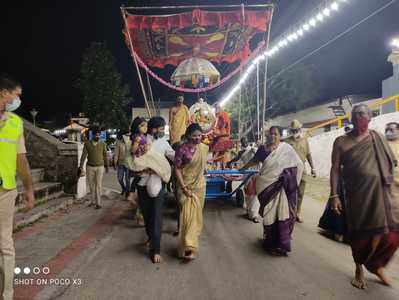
x: 215, y: 36
x: 255, y: 19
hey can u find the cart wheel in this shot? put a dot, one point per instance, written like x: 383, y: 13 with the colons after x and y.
x: 240, y: 198
x: 229, y: 187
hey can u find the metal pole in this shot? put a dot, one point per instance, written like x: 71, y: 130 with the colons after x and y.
x: 239, y: 112
x: 136, y: 64
x: 257, y: 100
x: 151, y: 94
x: 265, y: 79
x: 196, y: 6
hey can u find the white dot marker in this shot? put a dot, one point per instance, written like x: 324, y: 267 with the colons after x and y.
x: 17, y: 270
x: 27, y: 270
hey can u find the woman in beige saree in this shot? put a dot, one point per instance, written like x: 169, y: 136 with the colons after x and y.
x: 190, y: 164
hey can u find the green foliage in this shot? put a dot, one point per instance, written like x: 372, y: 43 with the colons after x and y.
x: 105, y: 98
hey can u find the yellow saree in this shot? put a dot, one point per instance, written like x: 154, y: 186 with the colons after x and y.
x: 178, y: 123
x: 191, y: 219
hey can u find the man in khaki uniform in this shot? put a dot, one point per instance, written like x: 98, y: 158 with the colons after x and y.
x: 96, y: 153
x: 300, y: 143
x: 12, y: 162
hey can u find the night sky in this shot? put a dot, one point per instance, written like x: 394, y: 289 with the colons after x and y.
x: 42, y: 45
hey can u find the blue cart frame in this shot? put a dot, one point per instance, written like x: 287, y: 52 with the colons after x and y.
x: 216, y: 187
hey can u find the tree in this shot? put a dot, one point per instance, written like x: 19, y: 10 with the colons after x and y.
x: 105, y: 98
x: 294, y: 90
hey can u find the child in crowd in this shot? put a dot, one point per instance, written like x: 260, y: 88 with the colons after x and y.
x: 151, y: 167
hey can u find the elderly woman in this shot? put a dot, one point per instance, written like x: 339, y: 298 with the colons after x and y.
x: 190, y: 163
x: 277, y: 190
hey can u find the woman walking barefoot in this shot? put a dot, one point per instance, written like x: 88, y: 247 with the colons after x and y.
x: 190, y: 164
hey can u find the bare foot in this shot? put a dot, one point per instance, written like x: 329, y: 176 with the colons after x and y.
x: 140, y: 221
x: 339, y: 238
x: 359, y: 281
x: 380, y: 273
x: 189, y: 256
x: 157, y: 259
x: 299, y: 219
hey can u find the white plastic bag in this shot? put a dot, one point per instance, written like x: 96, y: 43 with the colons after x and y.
x: 154, y: 185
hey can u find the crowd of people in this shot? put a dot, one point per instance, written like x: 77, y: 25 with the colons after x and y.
x: 363, y: 206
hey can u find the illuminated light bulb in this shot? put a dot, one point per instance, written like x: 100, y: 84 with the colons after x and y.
x: 306, y: 27
x: 326, y: 12
x: 295, y: 36
x: 300, y: 32
x: 334, y: 6
x: 395, y: 43
x: 313, y: 22
x: 320, y: 17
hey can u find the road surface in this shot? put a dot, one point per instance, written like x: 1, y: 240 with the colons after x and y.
x: 231, y: 262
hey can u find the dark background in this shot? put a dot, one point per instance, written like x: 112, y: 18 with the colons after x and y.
x: 43, y: 41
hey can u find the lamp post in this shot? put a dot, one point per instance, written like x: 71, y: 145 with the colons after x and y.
x: 34, y: 113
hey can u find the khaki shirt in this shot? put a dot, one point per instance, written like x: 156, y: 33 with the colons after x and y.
x: 301, y: 147
x: 21, y: 149
x: 95, y: 152
x: 120, y: 153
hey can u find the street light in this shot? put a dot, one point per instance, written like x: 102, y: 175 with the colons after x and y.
x: 395, y: 43
x: 34, y: 113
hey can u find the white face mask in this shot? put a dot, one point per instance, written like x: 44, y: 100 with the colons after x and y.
x: 392, y: 135
x: 14, y: 105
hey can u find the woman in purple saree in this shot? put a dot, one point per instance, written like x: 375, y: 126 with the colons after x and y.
x: 277, y: 189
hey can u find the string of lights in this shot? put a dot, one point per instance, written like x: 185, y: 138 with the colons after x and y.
x: 322, y: 13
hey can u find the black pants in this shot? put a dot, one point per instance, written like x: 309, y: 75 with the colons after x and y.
x: 136, y: 180
x: 151, y: 208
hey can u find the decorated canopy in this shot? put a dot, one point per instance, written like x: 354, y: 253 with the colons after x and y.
x: 215, y: 36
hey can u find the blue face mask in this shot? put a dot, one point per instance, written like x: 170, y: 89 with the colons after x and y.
x: 13, y: 106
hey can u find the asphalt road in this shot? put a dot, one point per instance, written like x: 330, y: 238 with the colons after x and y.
x: 231, y: 264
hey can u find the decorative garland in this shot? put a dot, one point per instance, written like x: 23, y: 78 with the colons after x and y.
x: 199, y: 90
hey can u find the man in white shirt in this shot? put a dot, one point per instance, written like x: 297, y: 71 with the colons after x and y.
x: 151, y: 207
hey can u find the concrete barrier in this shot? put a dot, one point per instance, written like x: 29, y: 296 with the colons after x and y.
x: 321, y: 145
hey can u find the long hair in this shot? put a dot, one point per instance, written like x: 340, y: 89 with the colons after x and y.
x: 192, y: 128
x: 136, y: 125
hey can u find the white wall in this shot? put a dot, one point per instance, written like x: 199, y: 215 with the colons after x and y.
x: 321, y: 145
x: 142, y: 112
